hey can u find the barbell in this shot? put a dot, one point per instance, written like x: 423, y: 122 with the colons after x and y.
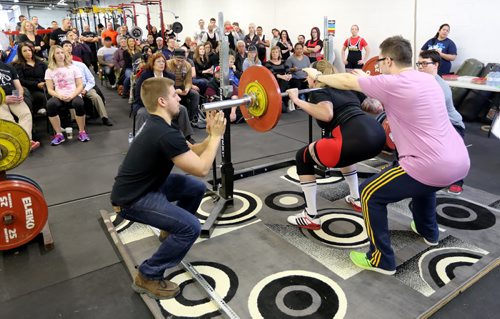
x: 23, y: 209
x: 259, y: 99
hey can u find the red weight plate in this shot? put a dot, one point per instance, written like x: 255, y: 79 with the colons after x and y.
x: 23, y: 213
x: 389, y: 142
x: 272, y: 115
x: 371, y: 66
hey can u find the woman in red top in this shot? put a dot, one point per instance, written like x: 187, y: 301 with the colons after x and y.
x: 313, y: 47
x: 355, y: 45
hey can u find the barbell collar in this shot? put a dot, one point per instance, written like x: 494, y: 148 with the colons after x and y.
x: 226, y: 104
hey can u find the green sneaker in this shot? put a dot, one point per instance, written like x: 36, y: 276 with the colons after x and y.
x: 360, y: 260
x: 414, y: 228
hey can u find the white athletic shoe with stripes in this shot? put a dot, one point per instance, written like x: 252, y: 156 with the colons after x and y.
x: 354, y: 202
x: 303, y: 220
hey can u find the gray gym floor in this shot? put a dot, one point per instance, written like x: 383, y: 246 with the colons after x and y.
x: 83, y: 277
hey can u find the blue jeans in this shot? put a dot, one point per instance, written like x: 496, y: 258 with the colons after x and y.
x: 158, y: 210
x: 126, y: 82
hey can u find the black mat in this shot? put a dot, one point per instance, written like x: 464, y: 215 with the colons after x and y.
x: 263, y: 266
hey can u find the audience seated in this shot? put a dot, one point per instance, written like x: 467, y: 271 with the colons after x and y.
x: 119, y: 62
x: 31, y: 71
x: 80, y: 50
x: 295, y: 64
x: 183, y: 86
x: 110, y: 32
x: 169, y: 50
x: 202, y: 64
x: 130, y: 55
x: 213, y: 57
x: 14, y: 102
x: 252, y: 58
x: 105, y: 56
x: 233, y: 77
x: 213, y: 93
x: 280, y: 70
x: 89, y: 88
x: 240, y: 56
x: 199, y: 84
x: 155, y: 67
x: 64, y: 84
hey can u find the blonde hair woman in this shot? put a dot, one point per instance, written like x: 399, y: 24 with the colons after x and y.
x: 277, y: 66
x: 28, y: 33
x: 252, y: 58
x: 64, y: 84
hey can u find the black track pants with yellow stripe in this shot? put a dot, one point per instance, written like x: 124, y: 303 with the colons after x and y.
x: 389, y: 186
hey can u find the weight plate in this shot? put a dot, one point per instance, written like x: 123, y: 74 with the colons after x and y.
x: 24, y: 179
x: 23, y: 213
x: 388, y: 135
x: 259, y: 103
x: 136, y: 32
x: 2, y: 96
x: 14, y: 145
x: 271, y: 114
x: 177, y: 27
x: 371, y: 66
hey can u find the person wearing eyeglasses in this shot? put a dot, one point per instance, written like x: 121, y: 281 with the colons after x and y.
x: 444, y: 46
x: 428, y: 62
x: 432, y: 155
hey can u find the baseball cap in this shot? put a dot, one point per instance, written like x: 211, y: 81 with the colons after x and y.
x: 179, y: 53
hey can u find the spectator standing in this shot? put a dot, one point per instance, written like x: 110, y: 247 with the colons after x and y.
x: 444, y: 46
x: 355, y: 46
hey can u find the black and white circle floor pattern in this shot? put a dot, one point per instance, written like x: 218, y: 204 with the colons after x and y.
x: 189, y: 303
x: 297, y: 294
x: 461, y: 214
x: 245, y: 208
x: 340, y: 228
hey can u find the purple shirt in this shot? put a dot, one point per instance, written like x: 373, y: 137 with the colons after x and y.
x: 430, y: 150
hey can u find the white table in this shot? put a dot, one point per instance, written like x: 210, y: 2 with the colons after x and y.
x: 473, y: 86
x: 482, y: 87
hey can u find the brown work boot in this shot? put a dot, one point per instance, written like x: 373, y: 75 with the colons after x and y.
x: 163, y: 235
x: 156, y: 289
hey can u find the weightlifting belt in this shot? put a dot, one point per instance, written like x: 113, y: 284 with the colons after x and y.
x: 345, y: 115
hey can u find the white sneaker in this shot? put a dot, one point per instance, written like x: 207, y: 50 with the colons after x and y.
x: 303, y: 220
x: 113, y: 86
x: 414, y: 228
x: 354, y: 202
x: 291, y: 106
